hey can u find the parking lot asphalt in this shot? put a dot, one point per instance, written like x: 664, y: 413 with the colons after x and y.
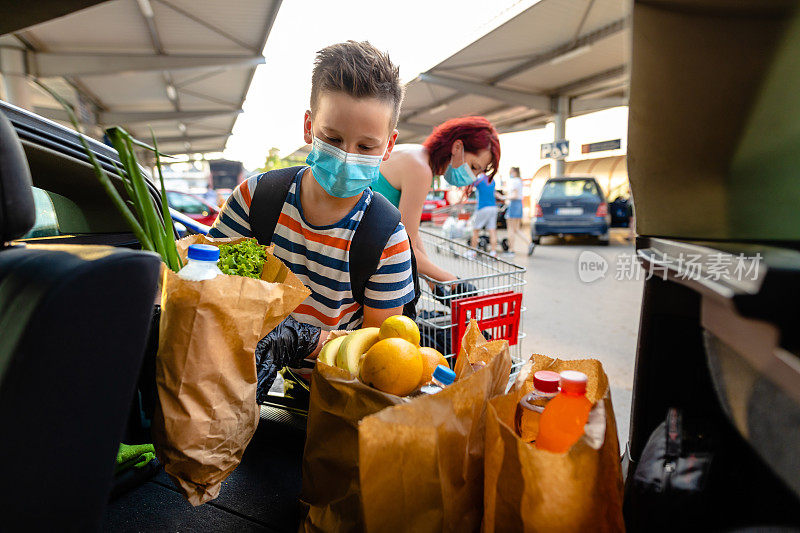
x: 571, y: 318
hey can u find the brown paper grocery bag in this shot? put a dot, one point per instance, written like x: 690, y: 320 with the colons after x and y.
x: 412, y: 465
x: 205, y: 369
x: 527, y: 489
x: 330, y: 458
x: 421, y: 463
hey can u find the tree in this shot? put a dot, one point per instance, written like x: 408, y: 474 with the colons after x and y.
x: 274, y: 161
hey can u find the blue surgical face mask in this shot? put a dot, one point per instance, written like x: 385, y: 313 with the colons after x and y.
x: 459, y: 177
x: 341, y: 173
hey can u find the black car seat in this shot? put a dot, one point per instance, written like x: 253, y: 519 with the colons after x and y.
x: 73, y: 325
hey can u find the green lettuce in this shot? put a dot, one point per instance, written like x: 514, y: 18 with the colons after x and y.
x: 245, y: 258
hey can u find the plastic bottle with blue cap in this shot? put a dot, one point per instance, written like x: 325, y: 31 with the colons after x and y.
x: 442, y: 377
x: 202, y: 263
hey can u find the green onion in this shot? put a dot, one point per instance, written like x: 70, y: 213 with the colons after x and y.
x: 171, y: 250
x: 154, y: 230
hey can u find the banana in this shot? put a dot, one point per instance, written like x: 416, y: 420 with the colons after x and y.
x: 354, y: 347
x: 329, y: 350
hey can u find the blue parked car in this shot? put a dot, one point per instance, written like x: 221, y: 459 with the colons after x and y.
x: 571, y: 206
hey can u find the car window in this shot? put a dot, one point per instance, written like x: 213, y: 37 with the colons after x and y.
x: 569, y: 189
x: 57, y: 216
x: 46, y: 224
x: 68, y: 190
x: 175, y: 200
x: 187, y: 204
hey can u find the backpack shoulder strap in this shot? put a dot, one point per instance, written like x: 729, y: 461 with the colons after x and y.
x: 377, y: 224
x: 267, y: 202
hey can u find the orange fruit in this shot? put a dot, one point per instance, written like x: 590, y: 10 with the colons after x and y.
x: 392, y: 365
x: 430, y: 359
x: 402, y: 327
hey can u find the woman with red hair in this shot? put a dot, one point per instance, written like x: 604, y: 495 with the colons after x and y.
x: 458, y: 150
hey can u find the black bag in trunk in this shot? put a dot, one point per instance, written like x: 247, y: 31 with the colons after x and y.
x: 669, y: 480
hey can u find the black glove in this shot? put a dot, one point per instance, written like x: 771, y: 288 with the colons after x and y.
x: 286, y: 345
x: 445, y: 294
x: 440, y: 292
x: 464, y: 289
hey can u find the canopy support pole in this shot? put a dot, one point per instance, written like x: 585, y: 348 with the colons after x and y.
x: 560, y: 133
x: 13, y: 75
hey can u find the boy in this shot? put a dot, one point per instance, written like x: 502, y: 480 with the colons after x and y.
x: 355, y: 103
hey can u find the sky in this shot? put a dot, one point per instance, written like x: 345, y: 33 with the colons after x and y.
x: 418, y: 34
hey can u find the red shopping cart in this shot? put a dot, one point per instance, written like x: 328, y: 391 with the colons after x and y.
x: 489, y: 290
x: 498, y: 315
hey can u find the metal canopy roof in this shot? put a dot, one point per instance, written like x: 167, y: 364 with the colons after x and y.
x: 514, y: 74
x: 180, y: 66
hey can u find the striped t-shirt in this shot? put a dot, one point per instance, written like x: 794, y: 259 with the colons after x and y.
x: 320, y: 255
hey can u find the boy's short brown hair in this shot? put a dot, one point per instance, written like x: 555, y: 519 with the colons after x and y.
x: 357, y: 69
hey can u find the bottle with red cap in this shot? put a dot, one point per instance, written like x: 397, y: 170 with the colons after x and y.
x: 563, y: 419
x: 530, y: 407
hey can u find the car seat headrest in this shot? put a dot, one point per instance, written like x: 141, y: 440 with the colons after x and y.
x: 17, y: 211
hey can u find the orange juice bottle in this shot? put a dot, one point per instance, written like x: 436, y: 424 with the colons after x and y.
x: 530, y: 407
x: 563, y: 419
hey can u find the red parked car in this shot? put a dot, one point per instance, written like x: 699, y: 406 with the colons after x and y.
x: 436, y: 199
x: 193, y: 207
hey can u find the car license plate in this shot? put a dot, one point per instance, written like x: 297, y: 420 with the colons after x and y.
x: 571, y: 211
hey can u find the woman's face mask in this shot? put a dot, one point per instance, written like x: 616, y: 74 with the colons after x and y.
x: 461, y: 175
x: 342, y: 174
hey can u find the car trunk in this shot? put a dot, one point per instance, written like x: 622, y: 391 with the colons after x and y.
x: 568, y: 209
x: 570, y: 202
